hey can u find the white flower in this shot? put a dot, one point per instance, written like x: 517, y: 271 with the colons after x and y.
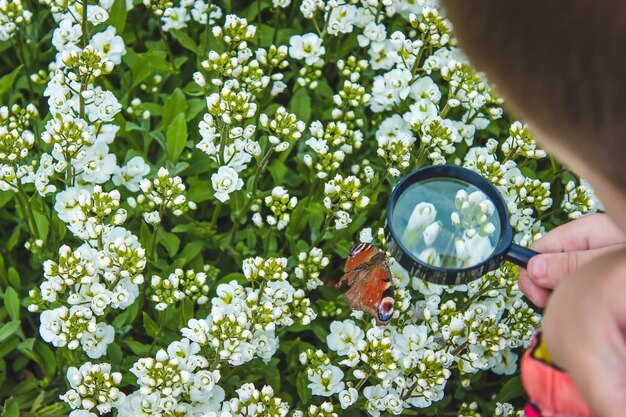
x: 225, y: 181
x: 175, y: 18
x: 197, y: 331
x: 109, y: 44
x: 326, y: 381
x: 344, y: 336
x: 308, y: 47
x: 281, y: 3
x: 266, y: 344
x: 365, y: 236
x: 131, y: 174
x: 348, y: 397
x: 152, y: 217
x: 342, y: 220
x: 96, y: 14
x: 68, y: 205
x: 98, y: 164
x: 95, y: 345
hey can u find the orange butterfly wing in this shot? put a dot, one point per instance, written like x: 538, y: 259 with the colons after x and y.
x: 369, y: 281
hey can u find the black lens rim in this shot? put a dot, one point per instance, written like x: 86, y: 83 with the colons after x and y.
x: 444, y: 276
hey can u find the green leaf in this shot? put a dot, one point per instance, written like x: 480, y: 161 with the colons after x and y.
x: 14, y: 277
x: 45, y: 357
x: 185, y: 40
x: 301, y: 104
x: 175, y: 104
x: 192, y: 250
x: 277, y: 169
x: 12, y: 303
x: 176, y: 137
x: 8, y: 346
x: 512, y: 389
x: 303, y: 390
x: 13, y: 410
x: 152, y: 329
x: 43, y: 225
x: 170, y: 241
x: 117, y: 16
x: 5, y: 197
x: 114, y: 354
x: 7, y: 81
x: 8, y: 329
x: 137, y: 348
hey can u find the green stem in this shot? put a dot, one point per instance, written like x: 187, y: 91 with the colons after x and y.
x: 27, y: 209
x: 259, y: 22
x: 161, y: 327
x: 329, y: 217
x: 276, y: 23
x: 167, y: 45
x: 26, y: 67
x: 154, y: 234
x: 85, y: 29
x: 216, y: 214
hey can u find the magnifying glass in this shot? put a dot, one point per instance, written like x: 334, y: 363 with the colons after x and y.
x: 448, y: 225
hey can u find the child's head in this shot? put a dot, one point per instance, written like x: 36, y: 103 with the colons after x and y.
x: 561, y: 65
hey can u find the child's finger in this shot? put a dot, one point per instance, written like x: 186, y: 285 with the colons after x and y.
x: 589, y: 232
x: 548, y: 269
x: 535, y: 293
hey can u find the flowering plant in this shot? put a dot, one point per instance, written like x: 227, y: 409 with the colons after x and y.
x: 182, y: 182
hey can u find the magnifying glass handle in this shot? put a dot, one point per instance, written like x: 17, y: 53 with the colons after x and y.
x: 519, y: 255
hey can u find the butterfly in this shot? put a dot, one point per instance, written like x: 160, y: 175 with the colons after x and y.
x: 370, y: 287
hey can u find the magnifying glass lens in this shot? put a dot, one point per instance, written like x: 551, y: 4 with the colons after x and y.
x: 447, y: 223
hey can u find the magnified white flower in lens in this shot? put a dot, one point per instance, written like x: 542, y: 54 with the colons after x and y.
x: 430, y: 256
x: 431, y: 233
x: 225, y: 181
x: 423, y: 215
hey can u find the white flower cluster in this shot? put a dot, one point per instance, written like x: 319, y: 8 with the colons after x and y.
x: 177, y: 381
x: 280, y: 205
x: 251, y: 402
x: 178, y: 286
x: 104, y: 272
x: 244, y: 320
x: 341, y: 194
x: 12, y: 16
x: 81, y: 129
x: 579, y: 200
x: 324, y: 379
x: 93, y: 386
x: 178, y: 17
x: 228, y: 134
x: 309, y: 266
x: 163, y: 192
x: 16, y: 142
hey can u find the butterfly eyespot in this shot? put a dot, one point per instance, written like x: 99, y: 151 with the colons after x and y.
x: 385, y: 309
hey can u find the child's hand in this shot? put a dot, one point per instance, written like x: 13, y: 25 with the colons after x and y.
x: 584, y: 328
x: 565, y: 249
